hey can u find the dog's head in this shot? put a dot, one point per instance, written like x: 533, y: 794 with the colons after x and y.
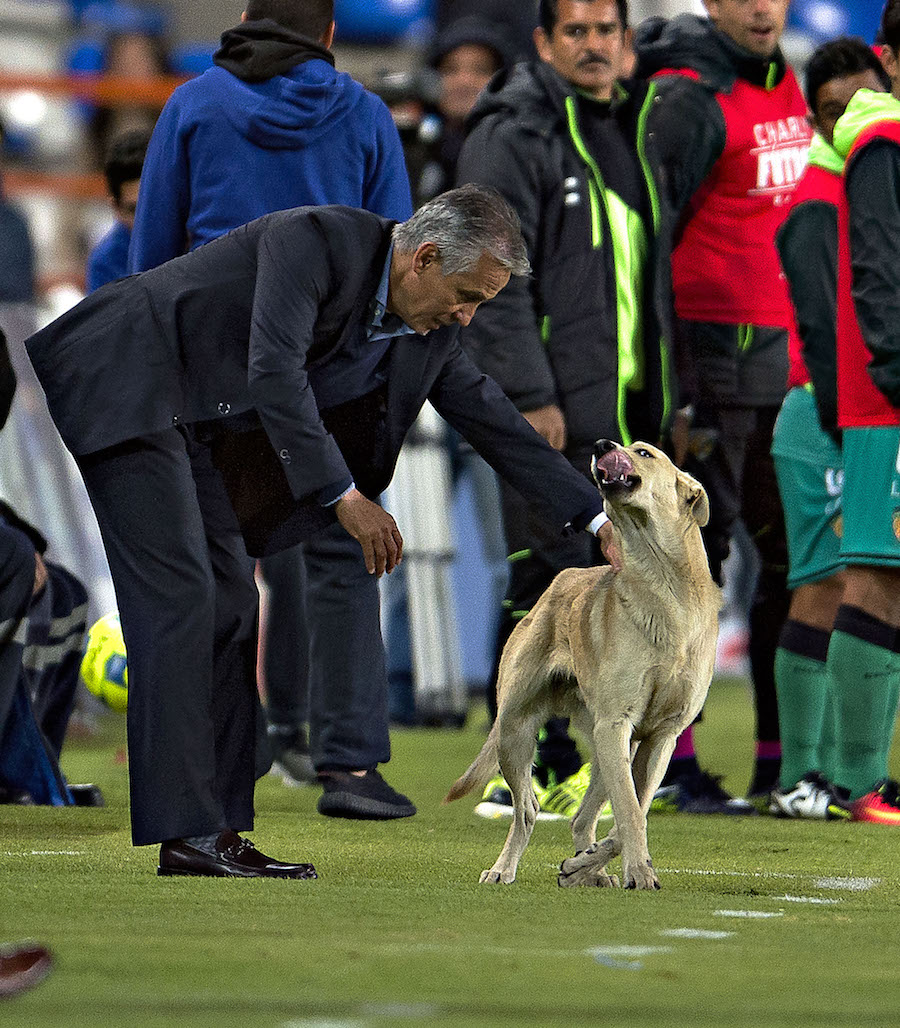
x: 641, y: 480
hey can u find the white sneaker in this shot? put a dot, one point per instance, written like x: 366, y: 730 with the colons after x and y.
x: 808, y: 800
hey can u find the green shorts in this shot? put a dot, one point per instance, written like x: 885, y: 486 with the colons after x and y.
x: 871, y: 496
x: 809, y: 468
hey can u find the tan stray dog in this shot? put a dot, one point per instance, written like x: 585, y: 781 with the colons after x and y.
x: 628, y: 657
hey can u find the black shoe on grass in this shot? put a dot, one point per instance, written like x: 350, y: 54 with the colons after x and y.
x: 365, y: 797
x: 699, y: 793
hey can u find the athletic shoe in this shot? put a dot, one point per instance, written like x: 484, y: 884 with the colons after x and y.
x: 565, y: 799
x: 699, y: 793
x: 496, y: 801
x: 882, y: 805
x: 558, y: 803
x: 365, y: 797
x: 811, y: 799
x: 291, y: 759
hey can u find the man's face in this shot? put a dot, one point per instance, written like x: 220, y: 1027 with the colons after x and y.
x: 464, y: 72
x: 427, y: 299
x: 587, y: 46
x: 833, y: 96
x: 126, y: 205
x: 756, y: 25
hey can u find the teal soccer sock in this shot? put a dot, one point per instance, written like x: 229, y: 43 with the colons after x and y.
x: 802, y: 684
x: 865, y: 672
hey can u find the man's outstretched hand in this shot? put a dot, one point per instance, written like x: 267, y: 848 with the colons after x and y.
x: 607, y: 536
x: 374, y: 529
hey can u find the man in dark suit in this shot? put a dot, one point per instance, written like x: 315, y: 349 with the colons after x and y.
x: 261, y: 386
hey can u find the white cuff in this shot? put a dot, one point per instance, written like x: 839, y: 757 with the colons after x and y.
x: 597, y: 523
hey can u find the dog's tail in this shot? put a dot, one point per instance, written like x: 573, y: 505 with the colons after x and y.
x: 479, y: 772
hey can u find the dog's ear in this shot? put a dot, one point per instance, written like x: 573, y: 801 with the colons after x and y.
x: 693, y: 495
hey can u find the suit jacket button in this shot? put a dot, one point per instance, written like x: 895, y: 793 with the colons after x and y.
x: 285, y: 456
x: 224, y: 408
x: 175, y: 419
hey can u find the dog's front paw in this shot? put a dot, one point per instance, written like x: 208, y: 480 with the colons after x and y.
x: 641, y: 876
x: 587, y: 877
x: 492, y: 877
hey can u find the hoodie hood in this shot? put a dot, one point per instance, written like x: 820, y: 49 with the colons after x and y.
x: 291, y: 108
x: 692, y: 42
x: 257, y: 50
x: 532, y: 89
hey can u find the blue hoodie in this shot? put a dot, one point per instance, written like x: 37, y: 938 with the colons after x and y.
x: 226, y: 151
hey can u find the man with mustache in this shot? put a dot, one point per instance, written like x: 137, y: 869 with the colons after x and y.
x: 582, y: 347
x: 730, y: 126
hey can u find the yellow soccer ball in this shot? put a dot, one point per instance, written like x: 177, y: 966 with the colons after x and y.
x: 104, y: 667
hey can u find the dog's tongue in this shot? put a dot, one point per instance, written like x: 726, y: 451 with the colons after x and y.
x: 615, y: 464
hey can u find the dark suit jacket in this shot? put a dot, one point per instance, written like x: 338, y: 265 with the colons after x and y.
x: 233, y: 327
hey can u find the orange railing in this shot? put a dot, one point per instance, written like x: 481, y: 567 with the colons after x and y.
x: 105, y: 90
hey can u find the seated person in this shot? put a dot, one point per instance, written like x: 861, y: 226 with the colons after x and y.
x: 43, y: 612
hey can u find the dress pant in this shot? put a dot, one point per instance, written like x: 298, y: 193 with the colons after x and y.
x: 188, y: 607
x: 286, y: 637
x: 348, y: 716
x: 738, y: 473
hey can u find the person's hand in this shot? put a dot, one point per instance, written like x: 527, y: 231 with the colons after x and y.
x: 550, y: 423
x: 374, y: 529
x: 40, y: 574
x: 607, y: 536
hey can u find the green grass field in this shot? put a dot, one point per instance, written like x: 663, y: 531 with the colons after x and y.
x: 759, y: 921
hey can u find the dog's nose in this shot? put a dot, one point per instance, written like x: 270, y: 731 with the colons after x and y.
x: 603, y: 446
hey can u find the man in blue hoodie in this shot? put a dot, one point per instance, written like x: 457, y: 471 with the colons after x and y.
x: 273, y: 126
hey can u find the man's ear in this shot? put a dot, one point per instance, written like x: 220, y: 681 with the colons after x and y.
x: 693, y: 495
x: 426, y: 255
x: 542, y: 44
x: 328, y: 38
x: 244, y: 16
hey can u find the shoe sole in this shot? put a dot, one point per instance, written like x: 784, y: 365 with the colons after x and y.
x: 349, y: 805
x: 496, y: 811
x: 166, y: 872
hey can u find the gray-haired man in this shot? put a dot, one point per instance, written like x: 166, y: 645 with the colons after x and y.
x: 261, y: 386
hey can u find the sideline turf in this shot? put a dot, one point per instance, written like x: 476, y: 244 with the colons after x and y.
x: 398, y: 932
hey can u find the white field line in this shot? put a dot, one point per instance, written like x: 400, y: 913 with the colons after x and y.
x: 43, y: 853
x: 694, y: 933
x: 748, y: 913
x: 825, y: 901
x: 848, y: 884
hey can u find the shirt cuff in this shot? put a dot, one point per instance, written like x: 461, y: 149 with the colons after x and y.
x: 597, y: 523
x: 331, y: 494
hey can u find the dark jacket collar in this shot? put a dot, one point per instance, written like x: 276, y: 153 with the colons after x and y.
x: 255, y: 51
x: 534, y: 91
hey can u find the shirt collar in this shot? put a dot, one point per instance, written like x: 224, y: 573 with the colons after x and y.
x: 379, y: 305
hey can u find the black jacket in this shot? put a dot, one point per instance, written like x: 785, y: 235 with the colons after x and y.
x: 808, y: 245
x: 233, y: 329
x: 553, y: 339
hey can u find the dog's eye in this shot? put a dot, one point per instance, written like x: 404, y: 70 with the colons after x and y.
x: 645, y: 453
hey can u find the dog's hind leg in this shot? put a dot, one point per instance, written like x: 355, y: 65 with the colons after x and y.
x: 515, y: 752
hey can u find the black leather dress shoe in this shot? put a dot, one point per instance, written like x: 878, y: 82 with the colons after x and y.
x: 234, y: 857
